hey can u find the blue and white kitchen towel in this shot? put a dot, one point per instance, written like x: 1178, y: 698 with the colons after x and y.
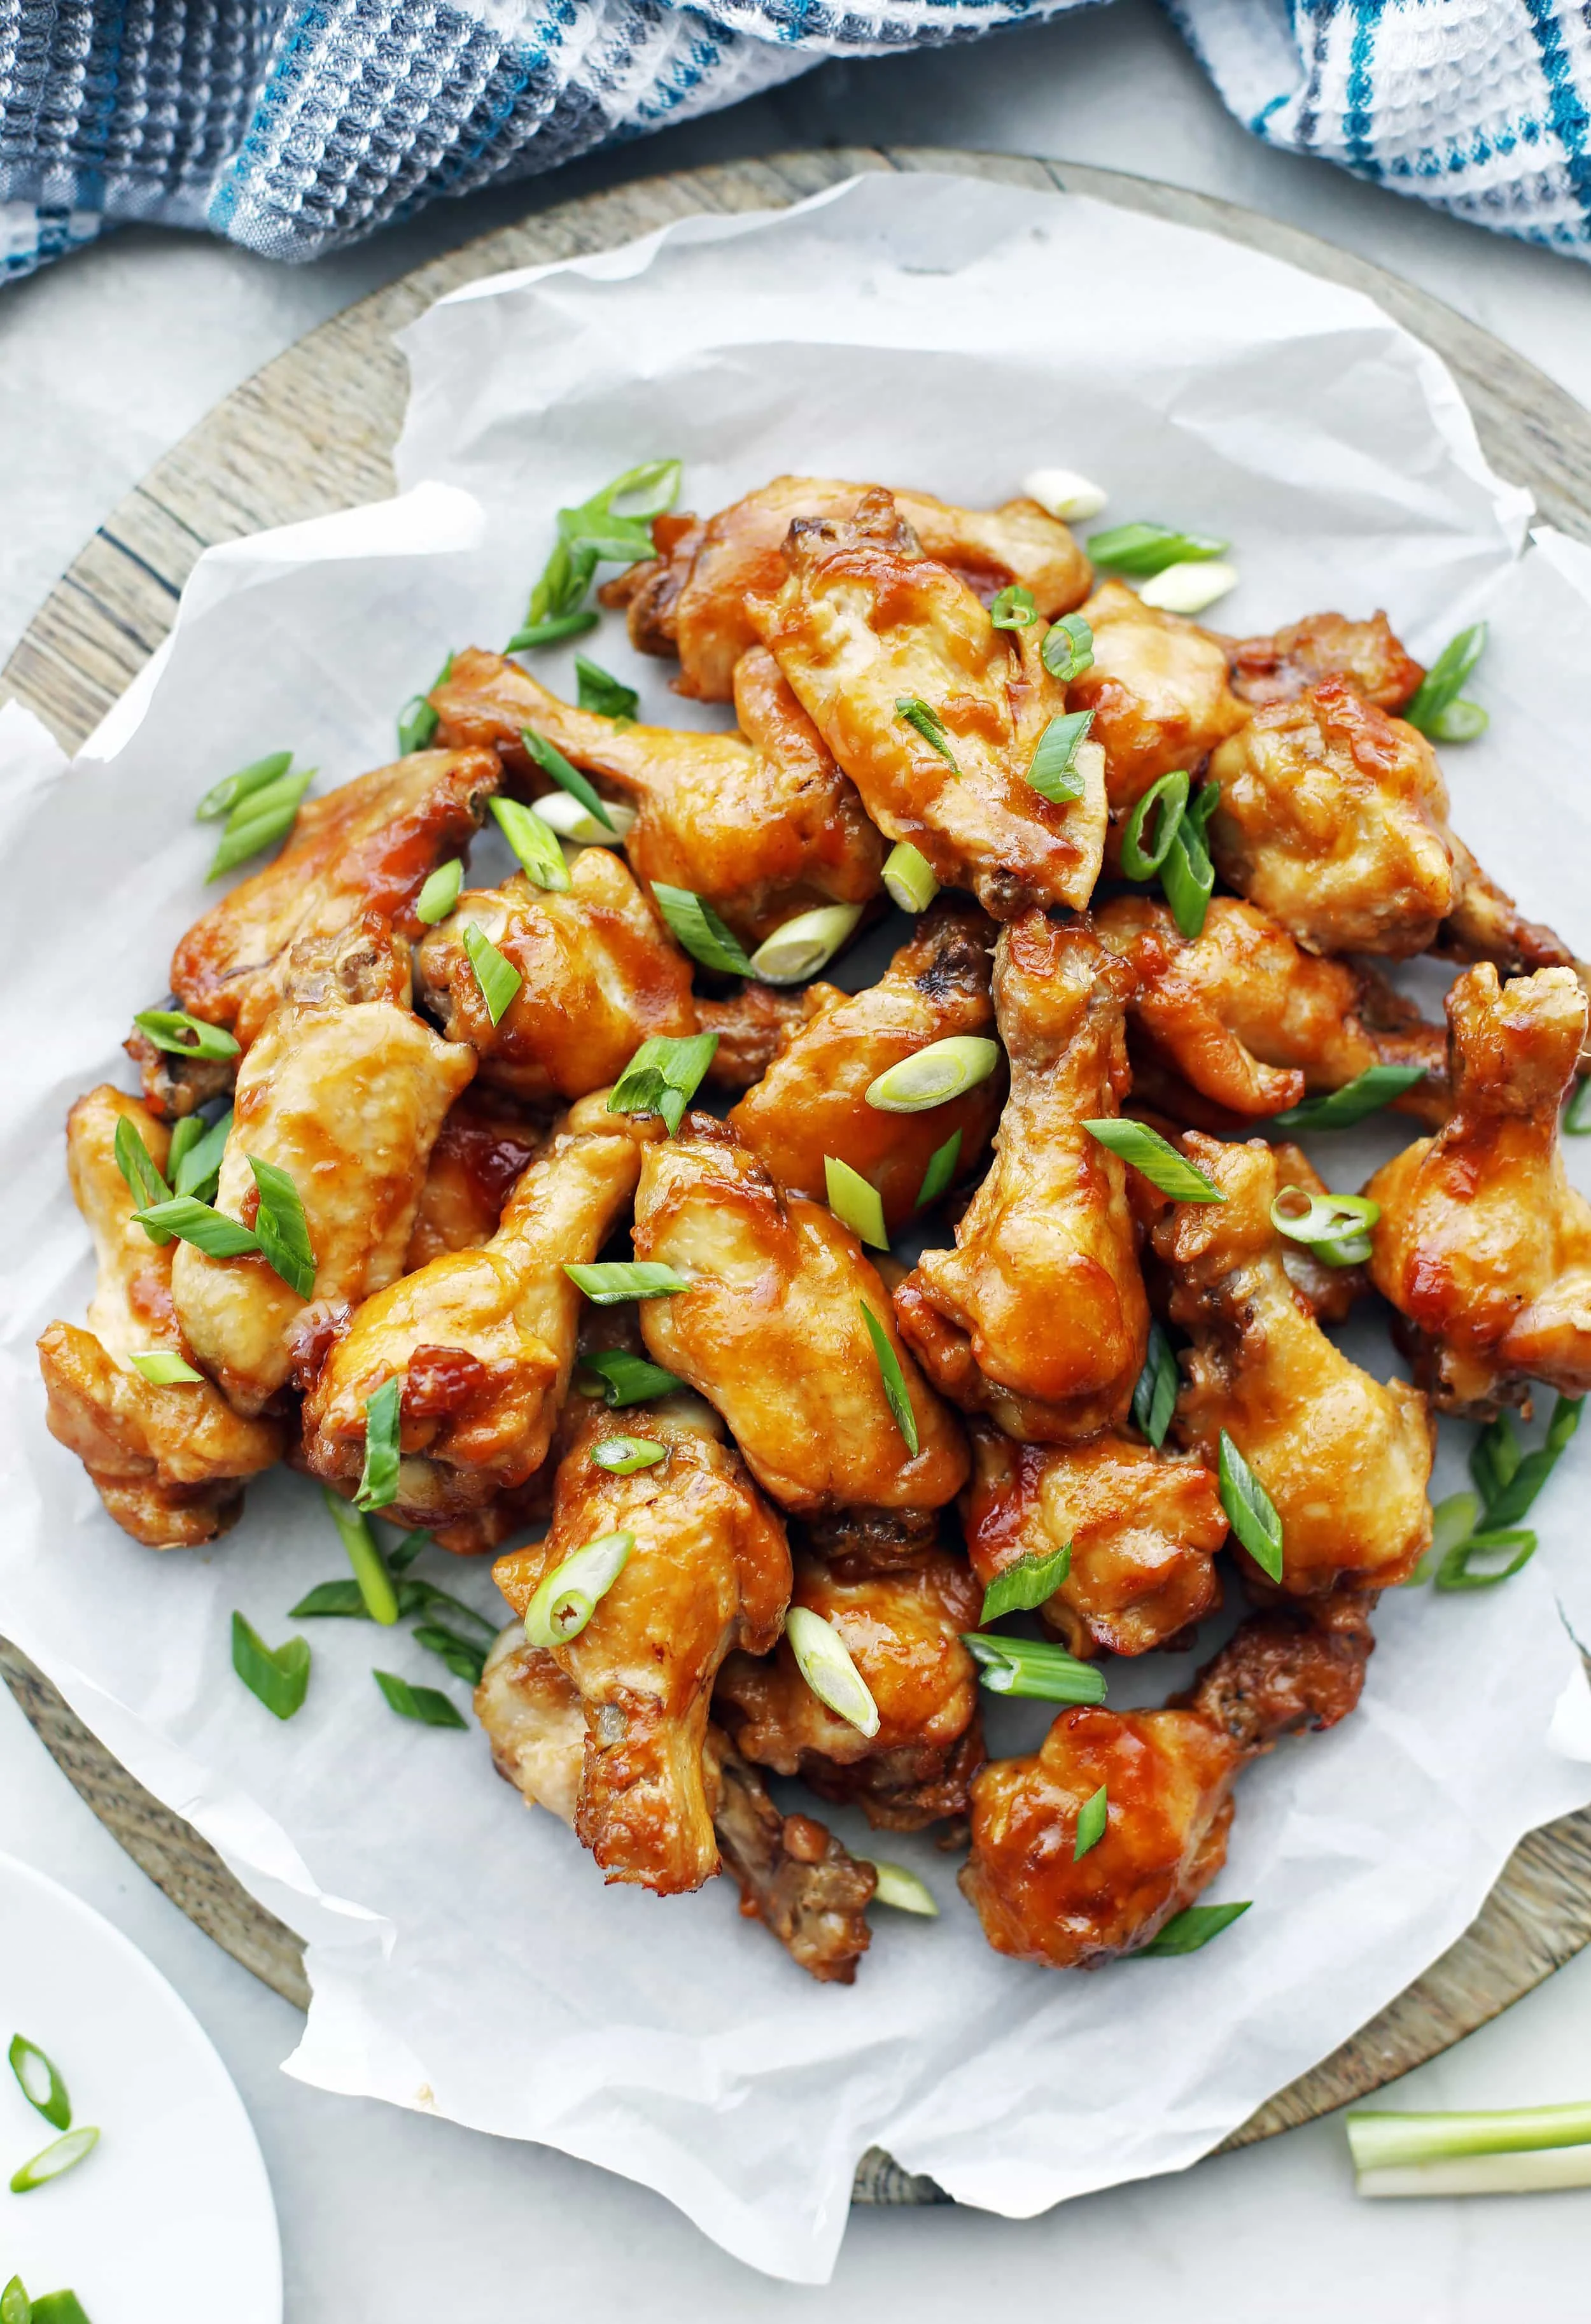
x: 294, y: 126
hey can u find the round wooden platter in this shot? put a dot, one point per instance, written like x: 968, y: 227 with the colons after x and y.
x: 313, y: 432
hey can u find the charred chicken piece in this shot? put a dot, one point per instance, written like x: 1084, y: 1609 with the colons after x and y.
x: 1142, y: 1527
x: 1167, y: 1776
x: 811, y: 1104
x: 1038, y: 1315
x: 1345, y: 1459
x: 168, y: 1462
x: 1482, y: 1246
x: 771, y: 1331
x: 1157, y: 689
x: 1280, y: 669
x: 691, y: 600
x: 866, y: 629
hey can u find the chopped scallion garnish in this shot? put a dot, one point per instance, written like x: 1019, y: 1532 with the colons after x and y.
x: 940, y: 1171
x: 424, y: 1704
x: 196, y: 1164
x: 806, y: 944
x: 562, y: 812
x: 438, y: 898
x: 148, y: 1189
x: 1055, y: 772
x: 184, y: 1036
x: 375, y: 1583
x: 929, y: 724
x: 15, y: 2307
x: 1335, y: 1227
x: 1517, y: 1477
x: 552, y: 762
x: 1191, y: 1931
x: 462, y: 1659
x: 1068, y: 649
x: 893, y: 1379
x: 1188, y: 588
x: 222, y: 798
x: 1141, y: 549
x: 622, y: 1378
x: 1013, y: 607
x: 1154, y: 1397
x: 1092, y: 1818
x: 1025, y: 1583
x: 898, y: 1887
x: 280, y: 1228
x: 259, y: 819
x: 1452, y: 1521
x: 417, y: 721
x: 1438, y: 693
x: 534, y: 843
x: 1033, y: 1669
x: 855, y: 1201
x: 211, y: 1231
x: 824, y: 1660
x: 909, y: 877
x: 497, y: 979
x: 1516, y: 2151
x: 1187, y: 877
x: 621, y: 1456
x: 64, y: 2155
x: 1340, y: 1109
x: 1065, y: 493
x: 664, y: 1076
x: 1577, y: 1120
x: 163, y: 1367
x: 1150, y: 1154
x: 571, y: 1593
x: 600, y: 691
x: 1250, y: 1510
x: 608, y: 1281
x: 699, y: 930
x: 1165, y: 799
x: 551, y: 632
x: 932, y: 1076
x: 378, y: 1482
x: 1515, y: 1545
x: 278, y: 1675
x: 38, y: 2079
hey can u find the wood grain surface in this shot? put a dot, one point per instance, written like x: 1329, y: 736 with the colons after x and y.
x: 313, y: 432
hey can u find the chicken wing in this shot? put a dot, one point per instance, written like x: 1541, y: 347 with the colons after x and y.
x: 1167, y: 1777
x: 1038, y: 1315
x: 368, y: 847
x: 484, y: 1340
x: 903, y: 1628
x: 347, y: 1098
x: 167, y: 1461
x: 1157, y: 689
x: 1253, y: 1023
x: 1280, y: 669
x: 771, y: 1330
x: 482, y: 1147
x: 1143, y: 1528
x: 709, y: 1570
x: 811, y: 1104
x: 691, y: 600
x: 1482, y: 1246
x: 761, y: 823
x: 863, y: 627
x: 1345, y: 1459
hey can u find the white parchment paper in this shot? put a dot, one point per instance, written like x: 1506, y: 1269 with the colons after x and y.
x: 464, y: 1956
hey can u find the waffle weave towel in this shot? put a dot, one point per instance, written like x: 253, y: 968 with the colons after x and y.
x: 293, y: 126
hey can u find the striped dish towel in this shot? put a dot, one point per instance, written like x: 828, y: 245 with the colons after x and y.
x: 294, y: 126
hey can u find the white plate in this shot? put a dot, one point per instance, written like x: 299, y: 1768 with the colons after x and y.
x: 169, y: 2221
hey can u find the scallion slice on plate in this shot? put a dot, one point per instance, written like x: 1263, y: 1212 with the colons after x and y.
x: 1189, y: 1931
x: 1335, y: 1227
x: 1340, y: 1109
x: 1055, y: 772
x: 909, y: 877
x: 1250, y: 1510
x: 1518, y: 2151
x: 426, y: 1705
x: 942, y: 1169
x: 1149, y: 1153
x: 378, y: 1482
x: 39, y: 2081
x: 892, y: 1378
x: 536, y: 845
x: 600, y: 690
x: 607, y: 1281
x: 1068, y: 649
x: 64, y: 2155
x: 898, y: 1887
x: 552, y: 762
x: 280, y: 1228
x: 621, y: 1456
x: 1142, y: 549
x: 1025, y: 1583
x: 855, y: 1201
x: 278, y: 1675
x: 183, y: 1036
x: 164, y: 1368
x: 1155, y: 1395
x: 370, y: 1570
x: 620, y: 1378
x: 497, y: 979
x: 806, y: 944
x: 932, y: 1076
x: 1033, y: 1669
x: 929, y: 724
x: 438, y: 898
x: 571, y: 1593
x: 824, y: 1660
x: 699, y: 930
x: 664, y: 1076
x: 1093, y: 1819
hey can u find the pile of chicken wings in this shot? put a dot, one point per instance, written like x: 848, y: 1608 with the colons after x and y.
x: 452, y: 1165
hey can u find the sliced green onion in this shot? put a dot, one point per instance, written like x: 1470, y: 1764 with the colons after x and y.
x: 417, y: 721
x: 655, y: 485
x: 59, y: 2308
x: 1142, y: 549
x: 1013, y: 607
x: 941, y: 1170
x: 1190, y: 1931
x: 1335, y: 1227
x: 1092, y: 1820
x: 1452, y: 1522
x: 197, y: 1165
x: 1495, y: 1456
x: 897, y: 1887
x: 463, y: 1660
x: 1340, y: 1109
x: 534, y: 843
x: 1064, y: 493
x: 929, y: 724
x: 163, y: 1369
x: 418, y: 1597
x: 804, y: 945
x: 136, y: 1164
x: 699, y: 930
x: 1444, y: 681
x: 424, y: 1704
x: 1025, y: 1583
x: 39, y: 2082
x: 600, y: 691
x: 1149, y: 1154
x: 1055, y: 773
x: 610, y: 1280
x: 563, y: 812
x: 622, y: 1378
x: 400, y: 1559
x: 893, y: 1379
x: 1250, y: 1510
x: 64, y: 2155
x: 1460, y: 721
x: 260, y: 821
x: 572, y: 1592
x: 1397, y: 2142
x: 1515, y: 1493
x: 908, y: 879
x: 224, y: 796
x: 184, y: 1036
x: 378, y: 1482
x: 1577, y: 1120
x: 186, y: 1134
x: 280, y: 1228
x: 278, y: 1675
x: 609, y: 540
x: 211, y: 1231
x: 932, y: 1076
x: 1189, y: 587
x: 1033, y: 1669
x: 15, y: 2307
x: 1154, y: 1397
x: 375, y: 1583
x: 855, y: 1201
x: 497, y: 979
x: 824, y: 1660
x: 1170, y: 796
x: 1515, y: 1542
x: 331, y: 1600
x: 438, y: 898
x: 1187, y: 877
x: 621, y: 1456
x: 552, y: 762
x: 551, y: 632
x: 664, y: 1076
x: 1068, y: 649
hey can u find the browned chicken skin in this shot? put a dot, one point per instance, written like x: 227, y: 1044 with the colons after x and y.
x: 1482, y: 1246
x: 1038, y: 1315
x: 1345, y: 1459
x: 709, y: 1572
x: 864, y: 621
x: 771, y: 1331
x: 1167, y: 1775
x: 1157, y: 689
x: 761, y: 823
x: 692, y: 600
x: 1280, y: 669
x: 1255, y: 1024
x: 168, y: 1462
x: 811, y: 1104
x: 1143, y: 1529
x: 482, y: 1146
x: 902, y: 1625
